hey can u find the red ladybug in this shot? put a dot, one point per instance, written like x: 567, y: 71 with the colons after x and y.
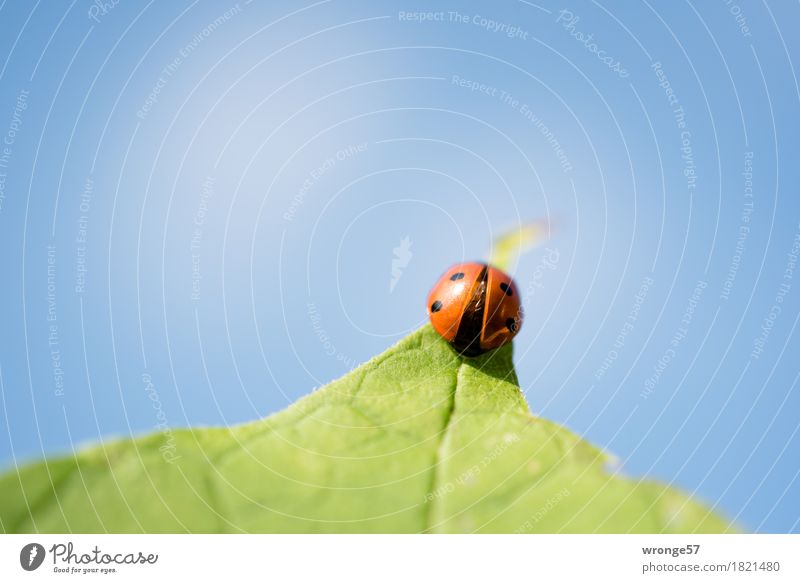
x: 475, y: 307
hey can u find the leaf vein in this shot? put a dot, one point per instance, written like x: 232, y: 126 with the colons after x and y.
x: 439, y: 457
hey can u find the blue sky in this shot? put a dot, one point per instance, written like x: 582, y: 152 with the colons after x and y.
x: 200, y: 203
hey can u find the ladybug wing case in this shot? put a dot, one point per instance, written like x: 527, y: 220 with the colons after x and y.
x: 450, y: 296
x: 502, y: 317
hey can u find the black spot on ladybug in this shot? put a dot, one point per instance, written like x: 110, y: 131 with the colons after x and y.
x: 506, y: 288
x: 511, y: 324
x: 436, y: 306
x: 457, y: 276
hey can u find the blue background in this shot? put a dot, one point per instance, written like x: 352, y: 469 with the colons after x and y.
x: 297, y: 145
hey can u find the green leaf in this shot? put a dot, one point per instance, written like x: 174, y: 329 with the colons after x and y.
x: 507, y: 248
x: 416, y: 440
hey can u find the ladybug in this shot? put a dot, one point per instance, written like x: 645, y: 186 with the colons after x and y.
x: 475, y: 307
